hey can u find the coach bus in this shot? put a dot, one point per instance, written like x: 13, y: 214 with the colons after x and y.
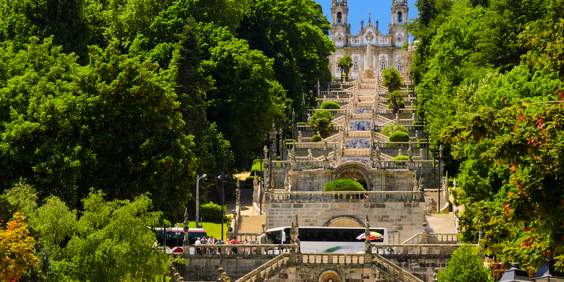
x: 175, y: 237
x: 327, y: 239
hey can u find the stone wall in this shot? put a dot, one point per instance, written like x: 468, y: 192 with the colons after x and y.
x: 404, y: 217
x: 204, y: 268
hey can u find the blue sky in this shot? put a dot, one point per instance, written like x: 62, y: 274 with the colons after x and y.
x: 359, y: 9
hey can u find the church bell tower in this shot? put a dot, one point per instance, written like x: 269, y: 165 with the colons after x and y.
x: 397, y: 28
x: 339, y: 24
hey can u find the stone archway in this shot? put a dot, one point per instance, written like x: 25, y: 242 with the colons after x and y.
x: 329, y: 276
x: 343, y: 221
x: 354, y: 170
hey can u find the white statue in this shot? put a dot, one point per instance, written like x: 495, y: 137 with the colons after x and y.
x: 299, y: 136
x: 308, y: 118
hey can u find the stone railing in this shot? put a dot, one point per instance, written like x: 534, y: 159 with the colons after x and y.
x: 362, y: 116
x: 336, y: 100
x: 357, y: 152
x: 393, y: 269
x: 434, y: 238
x: 381, y: 137
x: 251, y: 237
x: 382, y: 120
x: 238, y: 249
x: 310, y: 145
x: 332, y: 111
x: 416, y: 251
x: 358, y: 134
x: 264, y: 271
x: 342, y: 196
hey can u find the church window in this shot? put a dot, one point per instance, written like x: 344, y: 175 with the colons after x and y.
x: 382, y: 66
x: 355, y: 67
x: 339, y: 69
x: 400, y: 17
x: 399, y: 67
x: 339, y: 17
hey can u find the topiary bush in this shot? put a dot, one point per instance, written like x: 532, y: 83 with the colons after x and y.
x: 302, y: 123
x: 316, y: 138
x: 399, y: 136
x: 400, y: 158
x: 330, y: 106
x: 289, y: 141
x: 211, y: 212
x: 343, y: 185
x: 391, y: 128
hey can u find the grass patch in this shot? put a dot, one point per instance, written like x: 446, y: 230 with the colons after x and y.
x: 213, y: 229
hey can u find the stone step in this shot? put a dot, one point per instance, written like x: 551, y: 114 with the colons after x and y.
x: 440, y: 223
x: 251, y: 223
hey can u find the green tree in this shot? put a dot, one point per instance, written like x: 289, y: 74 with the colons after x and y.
x: 295, y: 34
x: 322, y: 121
x: 526, y: 140
x: 465, y: 266
x: 345, y: 63
x: 113, y: 125
x: 391, y: 128
x: 391, y: 78
x: 395, y: 101
x: 114, y: 243
x: 242, y: 113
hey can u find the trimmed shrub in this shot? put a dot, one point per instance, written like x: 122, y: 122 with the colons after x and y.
x: 400, y: 158
x: 399, y: 136
x: 289, y: 141
x: 278, y: 158
x: 391, y: 128
x: 343, y: 185
x: 330, y: 106
x: 316, y: 138
x: 211, y: 212
x: 302, y: 123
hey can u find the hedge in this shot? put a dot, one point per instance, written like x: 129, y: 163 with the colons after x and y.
x: 343, y: 185
x: 302, y: 123
x: 211, y: 212
x: 399, y: 136
x: 316, y: 138
x: 400, y: 158
x: 330, y: 106
x: 289, y: 141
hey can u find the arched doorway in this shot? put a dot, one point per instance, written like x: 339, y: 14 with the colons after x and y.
x: 329, y: 276
x: 355, y: 171
x: 343, y: 221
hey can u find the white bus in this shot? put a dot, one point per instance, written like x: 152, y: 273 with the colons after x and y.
x: 327, y: 239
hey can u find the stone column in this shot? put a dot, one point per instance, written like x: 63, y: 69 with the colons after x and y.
x: 186, y: 228
x: 367, y: 246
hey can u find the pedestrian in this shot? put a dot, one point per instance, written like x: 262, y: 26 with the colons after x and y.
x: 218, y: 242
x: 247, y: 249
x: 204, y: 242
x: 234, y: 242
x: 228, y: 250
x: 198, y: 243
x: 211, y: 242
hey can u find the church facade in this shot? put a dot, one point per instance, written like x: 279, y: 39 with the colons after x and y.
x: 384, y: 50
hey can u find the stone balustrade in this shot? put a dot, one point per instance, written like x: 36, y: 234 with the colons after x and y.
x: 333, y: 111
x: 251, y: 237
x: 241, y: 250
x: 310, y: 145
x: 362, y: 116
x: 336, y: 100
x: 434, y: 238
x: 357, y: 153
x: 358, y: 134
x: 264, y: 271
x: 395, y: 270
x: 344, y: 196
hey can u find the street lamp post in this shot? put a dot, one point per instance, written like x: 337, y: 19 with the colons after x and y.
x: 272, y: 133
x: 439, y: 175
x: 198, y: 199
x: 259, y: 157
x: 222, y: 202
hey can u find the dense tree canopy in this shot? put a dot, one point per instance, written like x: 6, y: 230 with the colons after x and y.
x: 486, y: 71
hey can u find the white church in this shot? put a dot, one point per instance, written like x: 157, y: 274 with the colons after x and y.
x: 370, y: 50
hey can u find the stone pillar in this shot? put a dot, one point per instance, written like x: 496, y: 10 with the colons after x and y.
x: 186, y: 241
x: 367, y: 245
